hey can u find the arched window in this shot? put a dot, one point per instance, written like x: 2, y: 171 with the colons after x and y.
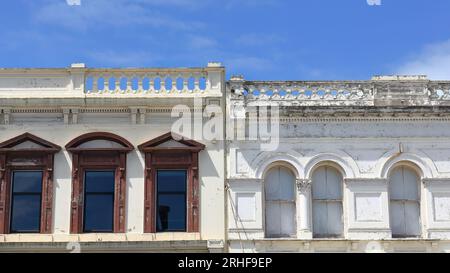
x: 280, y: 203
x: 327, y: 202
x: 404, y: 195
x: 98, y: 182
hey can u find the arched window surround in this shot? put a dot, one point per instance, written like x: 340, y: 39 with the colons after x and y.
x: 342, y: 173
x: 412, y: 166
x: 270, y: 167
x: 98, y: 158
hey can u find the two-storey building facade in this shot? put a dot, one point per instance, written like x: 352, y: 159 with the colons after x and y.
x: 359, y: 166
x: 181, y: 160
x: 88, y: 161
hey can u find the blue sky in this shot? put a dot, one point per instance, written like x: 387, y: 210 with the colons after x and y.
x: 260, y: 39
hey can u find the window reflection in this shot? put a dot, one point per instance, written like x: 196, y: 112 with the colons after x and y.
x: 99, y: 201
x: 26, y: 201
x: 171, y: 200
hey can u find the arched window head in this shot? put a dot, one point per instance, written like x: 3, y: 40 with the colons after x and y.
x: 404, y: 205
x: 327, y: 202
x: 98, y: 182
x: 280, y: 213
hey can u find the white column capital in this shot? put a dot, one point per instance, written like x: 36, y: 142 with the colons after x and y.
x: 303, y: 185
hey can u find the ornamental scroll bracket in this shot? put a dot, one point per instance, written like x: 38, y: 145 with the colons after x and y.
x: 149, y: 171
x: 122, y: 173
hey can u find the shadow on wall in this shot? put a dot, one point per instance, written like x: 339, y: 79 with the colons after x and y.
x: 206, y: 166
x: 63, y: 168
x: 135, y: 167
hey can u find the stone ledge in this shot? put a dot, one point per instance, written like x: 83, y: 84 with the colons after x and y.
x: 99, y: 237
x: 125, y: 246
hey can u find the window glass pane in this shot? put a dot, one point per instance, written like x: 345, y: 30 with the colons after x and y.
x: 27, y: 182
x: 411, y: 182
x: 334, y: 183
x: 99, y: 211
x: 412, y: 219
x: 280, y: 184
x: 272, y: 188
x: 320, y: 219
x: 171, y: 181
x: 99, y: 201
x: 319, y: 185
x: 287, y: 184
x: 335, y: 225
x: 171, y: 199
x: 288, y: 227
x: 25, y: 213
x: 273, y: 220
x: 99, y: 181
x: 171, y: 212
x: 396, y: 184
x: 397, y: 211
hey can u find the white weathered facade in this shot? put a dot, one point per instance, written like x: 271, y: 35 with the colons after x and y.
x: 360, y: 166
x: 55, y: 105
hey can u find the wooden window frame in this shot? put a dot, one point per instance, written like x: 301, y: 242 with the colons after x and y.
x: 98, y: 159
x: 32, y: 159
x: 171, y: 158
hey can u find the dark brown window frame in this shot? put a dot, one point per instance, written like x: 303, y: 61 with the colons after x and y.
x: 97, y: 159
x: 14, y: 159
x: 167, y: 158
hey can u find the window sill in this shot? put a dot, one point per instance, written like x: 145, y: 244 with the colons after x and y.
x: 99, y: 237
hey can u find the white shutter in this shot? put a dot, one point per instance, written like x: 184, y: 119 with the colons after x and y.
x: 404, y: 202
x: 280, y: 203
x: 327, y: 202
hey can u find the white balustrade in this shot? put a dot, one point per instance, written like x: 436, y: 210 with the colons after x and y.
x: 183, y: 81
x: 328, y: 92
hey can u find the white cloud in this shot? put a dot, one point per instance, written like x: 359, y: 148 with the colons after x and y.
x: 433, y: 60
x: 248, y: 63
x: 124, y: 59
x: 152, y: 13
x: 201, y: 42
x: 96, y: 13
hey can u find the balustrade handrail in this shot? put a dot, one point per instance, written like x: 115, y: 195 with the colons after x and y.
x: 352, y: 92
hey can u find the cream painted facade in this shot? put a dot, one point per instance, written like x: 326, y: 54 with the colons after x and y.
x: 355, y: 132
x: 54, y: 104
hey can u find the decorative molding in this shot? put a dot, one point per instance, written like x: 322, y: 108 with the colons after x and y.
x: 98, y: 158
x: 303, y: 185
x: 429, y: 181
x: 40, y: 158
x: 158, y: 156
x: 245, y: 180
x: 365, y: 180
